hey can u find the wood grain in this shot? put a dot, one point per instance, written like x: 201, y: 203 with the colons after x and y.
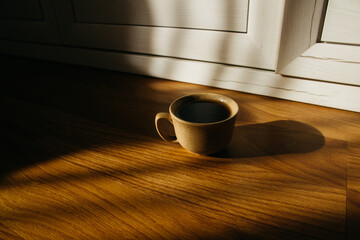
x: 81, y: 160
x: 353, y: 192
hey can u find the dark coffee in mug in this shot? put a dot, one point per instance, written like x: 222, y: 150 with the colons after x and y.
x: 203, y: 112
x: 203, y: 122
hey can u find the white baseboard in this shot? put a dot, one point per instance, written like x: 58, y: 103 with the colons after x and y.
x: 236, y: 78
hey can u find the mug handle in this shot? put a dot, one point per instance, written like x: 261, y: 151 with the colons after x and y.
x: 163, y: 115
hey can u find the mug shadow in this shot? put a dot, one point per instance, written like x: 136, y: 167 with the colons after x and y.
x: 272, y: 138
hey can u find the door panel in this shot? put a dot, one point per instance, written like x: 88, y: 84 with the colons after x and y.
x: 301, y: 53
x: 229, y: 15
x: 167, y: 30
x: 342, y: 22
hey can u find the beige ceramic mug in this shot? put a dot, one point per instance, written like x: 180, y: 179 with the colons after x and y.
x: 203, y: 123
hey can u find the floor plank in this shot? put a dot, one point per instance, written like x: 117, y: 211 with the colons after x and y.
x: 81, y: 159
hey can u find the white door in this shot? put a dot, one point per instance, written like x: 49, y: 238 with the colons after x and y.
x: 342, y: 22
x: 236, y: 32
x: 331, y: 54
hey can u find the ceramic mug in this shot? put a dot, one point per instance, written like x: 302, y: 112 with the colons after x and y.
x: 203, y: 123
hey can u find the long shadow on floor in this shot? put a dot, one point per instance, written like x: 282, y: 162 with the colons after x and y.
x: 272, y: 138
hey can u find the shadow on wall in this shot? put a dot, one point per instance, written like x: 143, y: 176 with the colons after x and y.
x: 272, y: 138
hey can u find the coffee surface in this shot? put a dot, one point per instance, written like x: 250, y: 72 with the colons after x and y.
x: 203, y: 112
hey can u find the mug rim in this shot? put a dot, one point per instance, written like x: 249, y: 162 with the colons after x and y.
x: 233, y: 114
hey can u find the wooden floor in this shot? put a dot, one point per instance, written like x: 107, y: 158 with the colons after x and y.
x: 80, y: 159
